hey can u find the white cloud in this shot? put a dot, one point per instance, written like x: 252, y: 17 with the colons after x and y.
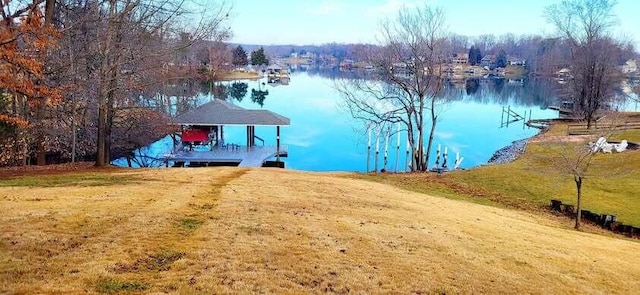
x: 326, y: 8
x: 390, y: 7
x: 444, y: 135
x: 323, y: 105
x: 303, y: 138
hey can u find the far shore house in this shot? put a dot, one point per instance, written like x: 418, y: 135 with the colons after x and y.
x: 488, y: 61
x: 630, y: 66
x: 516, y: 61
x: 277, y: 71
x: 202, y: 142
x: 460, y: 59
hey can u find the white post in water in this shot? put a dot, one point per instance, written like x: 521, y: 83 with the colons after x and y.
x: 398, y: 147
x: 444, y: 157
x: 437, y: 157
x: 377, y: 150
x: 406, y: 159
x: 458, y: 161
x: 386, y: 149
x: 368, y: 150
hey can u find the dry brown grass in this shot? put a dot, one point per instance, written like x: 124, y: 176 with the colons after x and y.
x: 229, y: 230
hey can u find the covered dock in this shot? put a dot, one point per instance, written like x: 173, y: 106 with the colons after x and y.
x: 202, y: 140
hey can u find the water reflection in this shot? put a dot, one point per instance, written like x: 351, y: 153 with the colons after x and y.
x: 324, y: 137
x: 238, y: 90
x: 258, y: 96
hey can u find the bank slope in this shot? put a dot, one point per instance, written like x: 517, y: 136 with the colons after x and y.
x: 277, y: 231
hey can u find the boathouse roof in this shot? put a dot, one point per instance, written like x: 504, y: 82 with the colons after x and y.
x: 220, y: 112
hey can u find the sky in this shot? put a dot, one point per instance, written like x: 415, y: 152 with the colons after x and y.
x: 306, y: 22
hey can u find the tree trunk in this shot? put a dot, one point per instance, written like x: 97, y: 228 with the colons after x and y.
x: 434, y: 121
x: 103, y: 90
x: 41, y: 153
x: 101, y: 132
x: 107, y: 134
x: 14, y: 148
x: 49, y: 9
x: 578, y: 180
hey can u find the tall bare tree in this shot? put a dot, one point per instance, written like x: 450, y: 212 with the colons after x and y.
x: 408, y: 79
x: 135, y: 37
x: 586, y: 25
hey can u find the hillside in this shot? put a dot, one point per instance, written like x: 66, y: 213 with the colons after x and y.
x: 230, y: 230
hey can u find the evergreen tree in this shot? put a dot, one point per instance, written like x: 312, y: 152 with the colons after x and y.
x: 474, y: 56
x: 501, y: 59
x: 239, y: 57
x: 478, y: 56
x: 258, y: 57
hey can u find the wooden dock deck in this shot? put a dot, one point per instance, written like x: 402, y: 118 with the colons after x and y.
x: 563, y: 112
x: 243, y: 156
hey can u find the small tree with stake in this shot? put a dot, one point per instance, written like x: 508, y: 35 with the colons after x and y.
x: 577, y: 159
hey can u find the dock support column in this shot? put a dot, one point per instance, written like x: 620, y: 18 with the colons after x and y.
x: 221, y: 136
x: 277, y: 143
x: 248, y: 137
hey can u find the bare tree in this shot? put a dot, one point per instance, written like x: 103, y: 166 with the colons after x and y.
x: 408, y: 79
x: 578, y: 159
x: 131, y: 43
x: 586, y: 25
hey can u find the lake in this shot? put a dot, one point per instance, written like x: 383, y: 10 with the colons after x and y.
x: 324, y: 137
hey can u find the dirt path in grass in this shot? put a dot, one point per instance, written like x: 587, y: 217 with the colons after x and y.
x: 230, y: 230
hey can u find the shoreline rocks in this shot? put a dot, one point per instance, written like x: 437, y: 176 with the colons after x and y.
x: 509, y: 153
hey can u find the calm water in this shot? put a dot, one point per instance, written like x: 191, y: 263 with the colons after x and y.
x: 323, y: 137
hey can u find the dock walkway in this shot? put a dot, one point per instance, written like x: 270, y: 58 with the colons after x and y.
x: 241, y: 155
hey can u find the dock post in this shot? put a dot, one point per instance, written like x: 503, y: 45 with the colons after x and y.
x: 221, y: 135
x: 248, y: 134
x: 377, y: 151
x: 277, y: 143
x: 369, y: 152
x: 386, y: 150
x: 398, y: 148
x: 508, y: 113
x: 502, y: 117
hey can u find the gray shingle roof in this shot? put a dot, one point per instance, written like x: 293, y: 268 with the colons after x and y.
x: 220, y: 112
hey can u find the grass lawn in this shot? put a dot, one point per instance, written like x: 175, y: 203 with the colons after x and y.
x: 611, y: 185
x: 232, y: 230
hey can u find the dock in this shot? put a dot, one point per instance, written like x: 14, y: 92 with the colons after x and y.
x: 232, y: 155
x: 564, y: 112
x: 202, y: 137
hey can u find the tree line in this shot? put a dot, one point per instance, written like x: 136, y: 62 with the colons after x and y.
x: 413, y: 61
x: 93, y: 79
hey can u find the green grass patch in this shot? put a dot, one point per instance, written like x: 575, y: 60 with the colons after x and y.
x: 611, y: 184
x: 632, y: 135
x: 190, y: 223
x: 62, y: 180
x: 112, y: 285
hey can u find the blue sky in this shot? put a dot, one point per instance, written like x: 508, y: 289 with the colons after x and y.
x: 303, y: 22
